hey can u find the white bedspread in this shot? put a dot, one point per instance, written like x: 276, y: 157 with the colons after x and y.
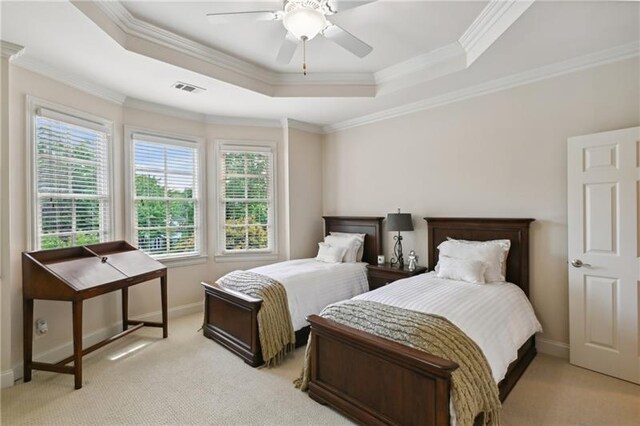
x: 498, y: 317
x: 312, y: 285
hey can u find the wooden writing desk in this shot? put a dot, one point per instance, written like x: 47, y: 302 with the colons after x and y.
x: 78, y: 273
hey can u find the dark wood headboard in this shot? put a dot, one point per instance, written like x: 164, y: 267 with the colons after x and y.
x: 485, y: 229
x: 371, y: 226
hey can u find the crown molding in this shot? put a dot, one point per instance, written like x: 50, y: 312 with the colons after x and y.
x: 155, y: 108
x: 304, y: 126
x: 219, y: 119
x: 603, y: 57
x: 70, y: 79
x: 243, y: 121
x: 139, y: 28
x: 492, y: 22
x: 496, y: 17
x: 10, y: 50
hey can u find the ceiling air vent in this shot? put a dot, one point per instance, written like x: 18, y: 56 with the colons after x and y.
x: 186, y: 87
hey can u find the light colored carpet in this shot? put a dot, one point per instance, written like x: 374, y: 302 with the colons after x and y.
x: 188, y: 379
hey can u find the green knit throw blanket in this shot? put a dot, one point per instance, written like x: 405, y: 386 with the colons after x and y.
x: 473, y: 389
x: 275, y: 330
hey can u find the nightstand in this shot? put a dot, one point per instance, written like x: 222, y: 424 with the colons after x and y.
x: 380, y: 275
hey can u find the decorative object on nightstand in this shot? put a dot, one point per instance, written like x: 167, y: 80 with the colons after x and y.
x: 398, y: 222
x: 381, y: 259
x: 381, y: 275
x: 413, y: 261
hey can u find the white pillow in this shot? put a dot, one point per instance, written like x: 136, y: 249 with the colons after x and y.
x: 351, y: 244
x: 490, y: 253
x: 471, y: 271
x: 360, y: 238
x: 504, y: 244
x: 330, y: 254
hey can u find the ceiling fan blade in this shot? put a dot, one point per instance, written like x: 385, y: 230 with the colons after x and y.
x: 287, y: 49
x: 337, y: 6
x: 347, y: 40
x: 239, y: 17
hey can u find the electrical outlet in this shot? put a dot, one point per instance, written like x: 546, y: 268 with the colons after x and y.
x: 42, y: 326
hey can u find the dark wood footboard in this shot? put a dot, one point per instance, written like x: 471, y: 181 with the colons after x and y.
x: 377, y: 381
x: 231, y: 319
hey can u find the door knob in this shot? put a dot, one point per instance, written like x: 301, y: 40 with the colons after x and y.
x: 577, y: 263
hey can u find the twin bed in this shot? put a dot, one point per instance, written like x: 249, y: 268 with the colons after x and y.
x: 377, y: 381
x: 231, y: 318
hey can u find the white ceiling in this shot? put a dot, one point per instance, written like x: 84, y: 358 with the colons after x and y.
x: 398, y: 30
x: 62, y: 41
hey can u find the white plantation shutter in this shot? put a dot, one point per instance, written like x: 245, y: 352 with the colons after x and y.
x: 246, y: 205
x: 71, y: 164
x: 166, y: 195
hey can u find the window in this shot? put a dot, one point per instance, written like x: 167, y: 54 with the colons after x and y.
x: 246, y: 202
x: 71, y: 185
x: 166, y: 197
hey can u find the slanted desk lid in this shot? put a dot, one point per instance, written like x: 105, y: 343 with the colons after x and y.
x: 134, y: 263
x: 85, y: 273
x: 126, y: 258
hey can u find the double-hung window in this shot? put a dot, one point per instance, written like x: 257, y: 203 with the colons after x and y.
x: 71, y: 203
x: 246, y: 211
x: 166, y: 195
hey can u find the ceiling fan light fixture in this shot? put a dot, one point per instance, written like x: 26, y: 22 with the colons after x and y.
x: 304, y: 23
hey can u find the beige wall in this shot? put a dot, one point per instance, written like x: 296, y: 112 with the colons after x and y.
x: 305, y: 193
x: 102, y: 313
x: 501, y: 155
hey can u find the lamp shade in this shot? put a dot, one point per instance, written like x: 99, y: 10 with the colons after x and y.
x: 399, y: 222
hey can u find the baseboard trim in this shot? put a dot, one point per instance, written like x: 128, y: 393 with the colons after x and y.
x: 552, y: 347
x: 6, y: 379
x: 59, y: 352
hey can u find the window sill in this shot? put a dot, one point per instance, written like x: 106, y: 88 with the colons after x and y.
x: 176, y: 262
x: 245, y: 257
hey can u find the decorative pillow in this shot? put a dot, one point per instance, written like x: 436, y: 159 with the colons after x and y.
x: 351, y: 244
x: 504, y: 244
x: 490, y: 253
x: 360, y: 238
x: 471, y: 271
x: 330, y: 254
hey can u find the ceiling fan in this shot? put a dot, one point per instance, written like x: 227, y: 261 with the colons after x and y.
x: 303, y: 20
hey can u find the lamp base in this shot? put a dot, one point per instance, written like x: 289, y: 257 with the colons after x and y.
x: 398, y: 260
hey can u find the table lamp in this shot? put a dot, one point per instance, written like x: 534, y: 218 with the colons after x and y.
x: 397, y: 222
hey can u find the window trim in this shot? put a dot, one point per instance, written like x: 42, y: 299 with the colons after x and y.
x: 221, y: 255
x: 32, y: 105
x: 129, y: 190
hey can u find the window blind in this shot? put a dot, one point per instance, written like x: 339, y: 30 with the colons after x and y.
x: 71, y: 159
x: 166, y: 200
x: 246, y: 198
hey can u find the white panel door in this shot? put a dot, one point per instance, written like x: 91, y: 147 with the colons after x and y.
x: 604, y: 266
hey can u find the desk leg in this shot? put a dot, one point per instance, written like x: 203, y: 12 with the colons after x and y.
x: 27, y: 336
x: 77, y: 343
x: 125, y: 308
x: 163, y: 295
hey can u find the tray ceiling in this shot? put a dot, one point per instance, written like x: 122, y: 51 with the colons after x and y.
x: 89, y: 46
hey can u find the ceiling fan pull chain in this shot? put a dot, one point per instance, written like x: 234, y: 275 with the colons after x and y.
x: 304, y: 55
